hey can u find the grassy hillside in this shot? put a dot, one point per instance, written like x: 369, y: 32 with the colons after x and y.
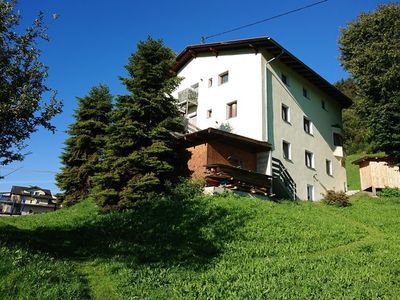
x: 353, y: 174
x: 225, y: 247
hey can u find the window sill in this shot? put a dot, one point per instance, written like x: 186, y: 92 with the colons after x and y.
x: 308, y: 133
x: 287, y: 122
x: 311, y: 168
x: 288, y: 160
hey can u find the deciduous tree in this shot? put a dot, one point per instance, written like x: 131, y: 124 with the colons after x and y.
x: 22, y: 87
x: 356, y: 133
x: 370, y: 51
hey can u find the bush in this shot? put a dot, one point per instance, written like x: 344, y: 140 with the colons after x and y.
x: 389, y: 192
x: 336, y: 198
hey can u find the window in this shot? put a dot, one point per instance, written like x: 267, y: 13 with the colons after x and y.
x: 305, y: 93
x: 224, y: 77
x: 210, y: 82
x: 231, y: 110
x: 286, y: 150
x: 209, y: 113
x: 285, y: 113
x: 337, y: 139
x: 309, y: 159
x: 323, y: 105
x: 307, y: 125
x: 284, y: 79
x: 310, y: 192
x: 328, y: 165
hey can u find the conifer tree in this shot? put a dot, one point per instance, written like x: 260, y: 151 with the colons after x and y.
x: 85, y: 145
x: 141, y: 154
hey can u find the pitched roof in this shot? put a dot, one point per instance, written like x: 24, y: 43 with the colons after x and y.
x: 372, y: 158
x: 20, y: 190
x: 272, y: 47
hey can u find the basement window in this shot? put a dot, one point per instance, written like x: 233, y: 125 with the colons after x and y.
x: 223, y: 78
x: 310, y: 192
x: 231, y: 110
x: 209, y: 113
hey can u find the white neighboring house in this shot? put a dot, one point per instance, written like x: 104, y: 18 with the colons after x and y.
x: 265, y: 93
x: 27, y: 200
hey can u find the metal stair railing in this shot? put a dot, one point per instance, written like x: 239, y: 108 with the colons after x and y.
x: 281, y: 173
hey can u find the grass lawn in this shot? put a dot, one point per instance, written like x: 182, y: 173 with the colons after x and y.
x: 226, y: 248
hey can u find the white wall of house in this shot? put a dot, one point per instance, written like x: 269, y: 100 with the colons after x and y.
x: 260, y: 94
x: 243, y: 86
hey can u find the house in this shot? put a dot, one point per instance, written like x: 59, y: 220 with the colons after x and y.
x: 378, y: 172
x: 256, y: 89
x: 27, y: 200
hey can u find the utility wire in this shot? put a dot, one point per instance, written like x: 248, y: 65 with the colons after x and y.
x: 28, y: 170
x: 203, y: 39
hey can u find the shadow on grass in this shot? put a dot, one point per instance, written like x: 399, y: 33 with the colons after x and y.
x: 170, y: 232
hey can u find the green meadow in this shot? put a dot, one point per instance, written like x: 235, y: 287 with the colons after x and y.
x: 225, y: 247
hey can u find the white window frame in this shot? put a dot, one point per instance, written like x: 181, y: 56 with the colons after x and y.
x: 309, y: 157
x: 210, y: 82
x: 289, y: 156
x: 310, y: 126
x: 310, y: 196
x: 284, y: 106
x: 328, y: 167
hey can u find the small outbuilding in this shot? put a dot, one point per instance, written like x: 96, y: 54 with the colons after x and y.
x: 377, y: 173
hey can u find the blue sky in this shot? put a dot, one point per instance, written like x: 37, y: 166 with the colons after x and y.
x: 91, y: 40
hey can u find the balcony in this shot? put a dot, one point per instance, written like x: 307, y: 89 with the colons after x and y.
x: 187, y: 98
x: 338, y: 152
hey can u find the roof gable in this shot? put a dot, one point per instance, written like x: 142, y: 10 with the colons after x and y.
x: 268, y: 44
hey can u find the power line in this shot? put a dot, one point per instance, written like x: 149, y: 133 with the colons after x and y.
x: 28, y: 170
x: 203, y: 39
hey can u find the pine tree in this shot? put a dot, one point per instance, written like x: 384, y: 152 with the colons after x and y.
x: 142, y: 155
x: 85, y: 145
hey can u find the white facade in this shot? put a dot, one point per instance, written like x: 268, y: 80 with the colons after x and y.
x: 254, y: 83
